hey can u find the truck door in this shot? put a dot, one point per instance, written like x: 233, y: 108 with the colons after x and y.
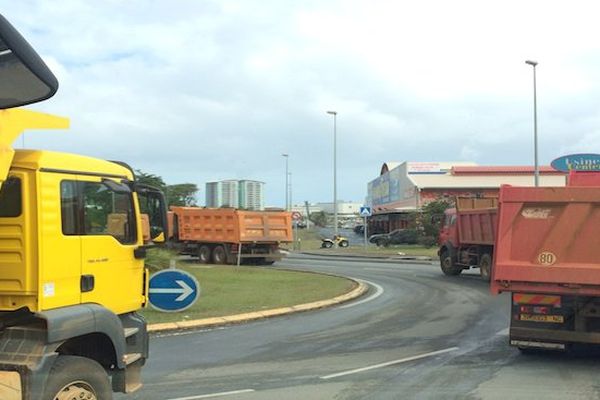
x: 110, y: 274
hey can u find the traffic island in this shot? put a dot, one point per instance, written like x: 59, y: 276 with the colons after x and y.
x: 233, y: 295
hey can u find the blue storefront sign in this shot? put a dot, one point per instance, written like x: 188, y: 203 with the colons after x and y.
x: 173, y: 290
x: 577, y: 162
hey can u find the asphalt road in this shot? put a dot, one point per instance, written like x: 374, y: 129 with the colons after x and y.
x: 416, y: 335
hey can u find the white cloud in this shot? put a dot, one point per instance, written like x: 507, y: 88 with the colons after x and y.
x: 219, y: 89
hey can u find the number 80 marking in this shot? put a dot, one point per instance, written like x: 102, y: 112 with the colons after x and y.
x: 546, y: 258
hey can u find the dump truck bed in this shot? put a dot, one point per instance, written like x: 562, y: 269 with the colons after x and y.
x: 548, y: 241
x: 477, y: 220
x: 228, y: 225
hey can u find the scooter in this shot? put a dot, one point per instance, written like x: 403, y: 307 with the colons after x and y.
x: 341, y: 241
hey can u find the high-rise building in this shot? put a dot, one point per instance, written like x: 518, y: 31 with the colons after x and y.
x: 251, y: 195
x: 245, y: 194
x: 223, y: 194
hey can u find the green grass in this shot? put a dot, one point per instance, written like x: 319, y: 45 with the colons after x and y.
x: 227, y: 290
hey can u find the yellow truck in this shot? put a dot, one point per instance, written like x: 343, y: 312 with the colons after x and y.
x: 73, y: 237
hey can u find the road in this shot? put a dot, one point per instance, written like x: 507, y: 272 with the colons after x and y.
x: 416, y: 335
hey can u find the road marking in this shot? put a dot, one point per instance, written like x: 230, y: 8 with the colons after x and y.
x: 503, y: 332
x: 378, y: 292
x: 386, y: 364
x: 220, y: 394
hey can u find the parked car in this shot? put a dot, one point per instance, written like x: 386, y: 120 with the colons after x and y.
x: 398, y: 236
x: 359, y: 229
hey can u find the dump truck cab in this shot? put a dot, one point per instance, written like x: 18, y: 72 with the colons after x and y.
x: 73, y: 235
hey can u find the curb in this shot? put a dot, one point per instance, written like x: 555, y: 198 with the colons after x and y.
x: 381, y: 259
x: 358, y: 291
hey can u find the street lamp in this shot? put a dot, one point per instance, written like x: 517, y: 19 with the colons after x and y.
x: 535, y: 140
x: 287, y: 174
x: 335, y: 205
x: 290, y: 191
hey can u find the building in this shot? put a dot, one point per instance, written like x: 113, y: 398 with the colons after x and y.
x: 401, y: 189
x: 245, y: 194
x: 251, y: 195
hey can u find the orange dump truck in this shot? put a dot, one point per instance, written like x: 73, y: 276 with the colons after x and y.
x: 548, y: 257
x: 217, y: 234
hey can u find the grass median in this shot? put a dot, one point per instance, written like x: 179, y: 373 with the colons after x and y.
x: 227, y: 290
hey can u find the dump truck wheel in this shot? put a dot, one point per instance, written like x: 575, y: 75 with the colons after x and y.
x: 218, y: 255
x: 73, y: 377
x: 485, y: 267
x: 204, y: 254
x: 447, y: 264
x: 344, y: 243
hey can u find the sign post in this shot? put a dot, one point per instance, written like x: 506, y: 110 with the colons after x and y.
x: 172, y: 290
x: 296, y: 216
x: 365, y: 212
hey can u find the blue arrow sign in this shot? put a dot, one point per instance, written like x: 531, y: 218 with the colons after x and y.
x: 365, y: 211
x: 173, y: 290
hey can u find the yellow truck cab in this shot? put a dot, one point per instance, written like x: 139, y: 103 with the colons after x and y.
x: 73, y: 235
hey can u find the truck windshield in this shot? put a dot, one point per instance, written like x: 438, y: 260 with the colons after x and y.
x: 10, y: 198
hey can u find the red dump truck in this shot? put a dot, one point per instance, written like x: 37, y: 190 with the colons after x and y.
x: 467, y: 236
x: 217, y: 234
x: 548, y: 257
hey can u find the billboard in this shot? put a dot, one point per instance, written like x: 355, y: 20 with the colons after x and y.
x: 577, y: 162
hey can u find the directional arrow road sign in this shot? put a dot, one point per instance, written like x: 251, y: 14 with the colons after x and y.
x: 173, y: 290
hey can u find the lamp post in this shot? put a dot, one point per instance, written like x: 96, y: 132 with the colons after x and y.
x: 335, y: 205
x: 290, y: 191
x: 535, y: 135
x: 287, y: 174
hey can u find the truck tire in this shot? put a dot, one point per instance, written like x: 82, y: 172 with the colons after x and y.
x: 204, y: 254
x: 447, y: 264
x: 218, y: 255
x: 485, y: 267
x: 73, y: 377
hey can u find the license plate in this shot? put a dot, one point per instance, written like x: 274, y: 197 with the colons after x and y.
x: 557, y: 319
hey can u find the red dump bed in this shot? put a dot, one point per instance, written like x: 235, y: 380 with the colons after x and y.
x: 548, y: 241
x: 477, y: 220
x: 228, y: 225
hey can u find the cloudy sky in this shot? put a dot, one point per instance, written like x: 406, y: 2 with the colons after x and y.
x: 204, y: 90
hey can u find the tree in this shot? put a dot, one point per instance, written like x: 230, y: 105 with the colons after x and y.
x: 150, y: 180
x: 431, y: 218
x: 319, y: 218
x: 182, y: 194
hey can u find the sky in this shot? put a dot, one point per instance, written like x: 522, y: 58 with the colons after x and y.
x: 196, y: 91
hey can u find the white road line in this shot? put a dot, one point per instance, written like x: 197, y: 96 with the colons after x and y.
x: 503, y: 332
x: 220, y: 394
x: 400, y: 361
x: 378, y: 292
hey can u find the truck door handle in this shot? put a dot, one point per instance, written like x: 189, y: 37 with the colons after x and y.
x: 87, y: 283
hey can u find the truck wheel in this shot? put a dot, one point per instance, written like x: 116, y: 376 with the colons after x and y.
x: 204, y: 254
x: 218, y: 255
x: 485, y: 267
x: 447, y: 264
x: 73, y: 377
x: 344, y: 243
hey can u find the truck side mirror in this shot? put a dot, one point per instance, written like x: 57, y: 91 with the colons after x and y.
x: 24, y: 77
x: 153, y: 204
